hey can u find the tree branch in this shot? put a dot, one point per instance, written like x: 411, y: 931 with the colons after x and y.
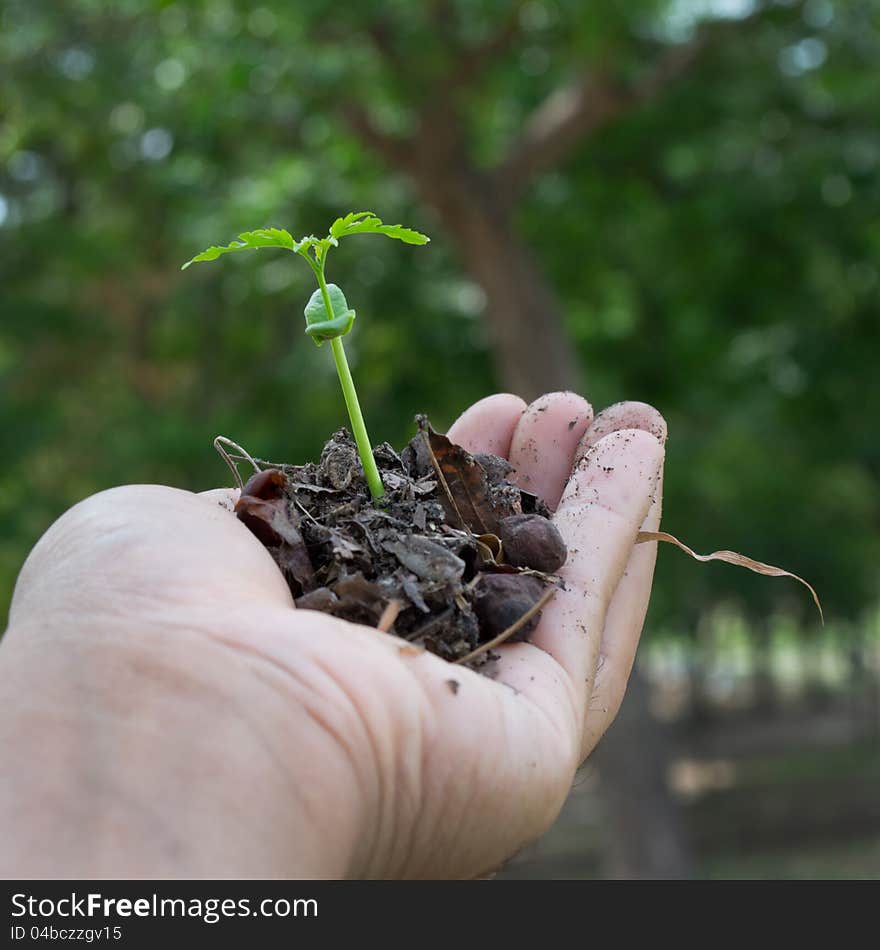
x: 395, y: 150
x: 472, y: 61
x: 439, y: 135
x: 568, y: 115
x: 572, y: 113
x: 385, y: 42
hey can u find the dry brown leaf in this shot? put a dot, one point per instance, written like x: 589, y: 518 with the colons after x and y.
x: 278, y: 528
x: 464, y: 484
x: 731, y: 557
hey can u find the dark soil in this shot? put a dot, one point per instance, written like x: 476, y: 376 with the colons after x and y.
x: 453, y: 557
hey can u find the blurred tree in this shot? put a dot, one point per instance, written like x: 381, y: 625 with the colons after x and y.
x: 678, y: 197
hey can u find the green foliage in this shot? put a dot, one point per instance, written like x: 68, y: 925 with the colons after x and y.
x: 358, y: 222
x: 365, y: 222
x: 263, y: 237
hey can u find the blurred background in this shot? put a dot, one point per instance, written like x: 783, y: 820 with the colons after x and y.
x: 676, y: 201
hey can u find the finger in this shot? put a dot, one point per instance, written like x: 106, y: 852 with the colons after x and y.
x: 487, y: 426
x: 544, y: 443
x: 629, y: 604
x: 145, y: 546
x: 605, y: 502
x: 624, y: 622
x: 624, y: 415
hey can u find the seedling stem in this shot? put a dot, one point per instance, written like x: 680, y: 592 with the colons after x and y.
x: 329, y: 299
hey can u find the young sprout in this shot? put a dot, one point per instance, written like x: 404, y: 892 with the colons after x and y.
x: 327, y: 313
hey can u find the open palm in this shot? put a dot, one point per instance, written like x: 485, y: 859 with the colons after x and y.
x: 211, y: 729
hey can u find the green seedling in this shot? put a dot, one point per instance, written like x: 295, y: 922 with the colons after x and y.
x: 327, y: 313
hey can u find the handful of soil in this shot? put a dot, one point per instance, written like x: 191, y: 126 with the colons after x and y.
x: 454, y: 558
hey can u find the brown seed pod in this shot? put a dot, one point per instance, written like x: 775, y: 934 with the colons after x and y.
x: 501, y: 599
x: 259, y: 503
x: 532, y: 541
x: 266, y: 484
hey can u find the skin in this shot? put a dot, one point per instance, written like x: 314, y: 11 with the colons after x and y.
x: 168, y: 713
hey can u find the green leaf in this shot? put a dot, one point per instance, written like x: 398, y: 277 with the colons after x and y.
x: 339, y: 226
x: 263, y: 237
x: 365, y: 222
x: 267, y: 237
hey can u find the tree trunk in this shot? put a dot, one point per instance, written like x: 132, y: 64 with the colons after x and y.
x: 645, y: 832
x: 534, y: 356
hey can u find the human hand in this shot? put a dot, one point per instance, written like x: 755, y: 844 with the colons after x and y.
x: 168, y: 713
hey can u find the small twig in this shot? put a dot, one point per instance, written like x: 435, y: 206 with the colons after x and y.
x: 548, y: 595
x: 307, y: 513
x: 389, y: 615
x: 219, y: 442
x: 247, y: 458
x: 430, y: 625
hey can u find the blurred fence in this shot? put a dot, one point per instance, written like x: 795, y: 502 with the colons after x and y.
x: 776, y: 755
